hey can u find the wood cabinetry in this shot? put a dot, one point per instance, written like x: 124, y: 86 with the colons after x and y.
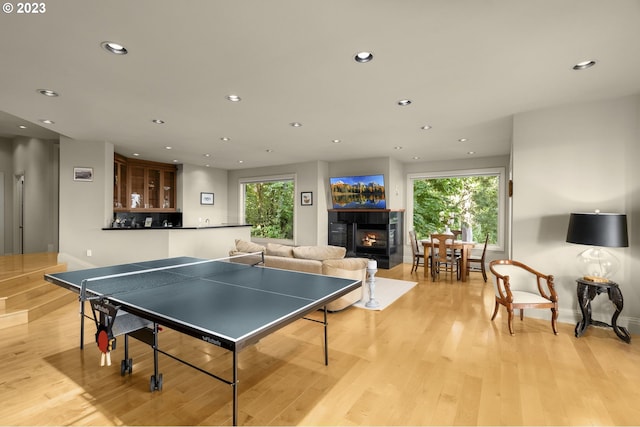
x: 140, y: 185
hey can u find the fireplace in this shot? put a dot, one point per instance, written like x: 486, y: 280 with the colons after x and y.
x: 368, y: 238
x: 374, y: 234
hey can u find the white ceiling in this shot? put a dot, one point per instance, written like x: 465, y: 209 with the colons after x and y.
x: 467, y: 65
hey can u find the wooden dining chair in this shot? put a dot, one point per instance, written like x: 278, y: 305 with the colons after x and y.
x: 417, y: 250
x: 519, y: 286
x: 440, y: 256
x: 479, y: 260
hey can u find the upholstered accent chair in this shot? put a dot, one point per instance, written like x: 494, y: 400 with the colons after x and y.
x: 519, y: 287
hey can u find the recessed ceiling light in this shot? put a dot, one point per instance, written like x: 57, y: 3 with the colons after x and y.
x: 295, y: 124
x: 234, y: 98
x: 175, y: 160
x: 471, y: 153
x: 136, y: 154
x: 269, y: 150
x: 115, y: 48
x: 225, y: 139
x: 363, y: 57
x: 207, y: 155
x: 416, y: 157
x: 426, y: 127
x: 48, y: 92
x: 336, y: 141
x: 240, y: 161
x: 22, y: 127
x: 168, y: 148
x: 47, y: 121
x: 158, y: 121
x: 397, y: 147
x: 404, y: 102
x: 463, y: 140
x: 584, y: 65
x: 207, y: 166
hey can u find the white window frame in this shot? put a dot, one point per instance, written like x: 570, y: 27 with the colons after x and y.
x: 502, y: 207
x: 269, y: 178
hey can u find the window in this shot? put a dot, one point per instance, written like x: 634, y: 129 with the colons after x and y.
x: 459, y: 199
x: 267, y: 204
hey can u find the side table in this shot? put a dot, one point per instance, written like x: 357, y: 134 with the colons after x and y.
x: 587, y: 291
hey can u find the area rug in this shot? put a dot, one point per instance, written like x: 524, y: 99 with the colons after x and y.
x: 385, y: 292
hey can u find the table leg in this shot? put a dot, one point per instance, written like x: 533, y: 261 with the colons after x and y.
x: 585, y: 307
x: 615, y: 295
x: 425, y: 251
x: 463, y: 266
x: 234, y: 386
x: 326, y: 339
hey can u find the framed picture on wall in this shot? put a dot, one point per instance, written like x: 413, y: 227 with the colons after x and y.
x: 82, y: 174
x: 206, y: 198
x: 306, y: 198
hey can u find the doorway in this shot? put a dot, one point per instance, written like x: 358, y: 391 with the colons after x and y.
x: 20, y: 213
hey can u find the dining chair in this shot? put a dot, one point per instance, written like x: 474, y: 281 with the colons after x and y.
x: 456, y: 236
x: 519, y: 286
x: 440, y: 256
x: 417, y: 250
x: 479, y: 260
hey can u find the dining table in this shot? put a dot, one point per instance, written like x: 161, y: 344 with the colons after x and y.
x: 463, y: 246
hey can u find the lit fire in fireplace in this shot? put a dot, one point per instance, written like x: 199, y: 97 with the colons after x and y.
x: 369, y: 239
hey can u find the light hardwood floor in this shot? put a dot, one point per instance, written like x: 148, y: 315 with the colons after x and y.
x: 432, y: 358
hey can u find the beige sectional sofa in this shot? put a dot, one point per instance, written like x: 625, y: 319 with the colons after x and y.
x: 327, y: 260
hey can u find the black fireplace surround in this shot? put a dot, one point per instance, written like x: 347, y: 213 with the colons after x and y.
x: 368, y: 233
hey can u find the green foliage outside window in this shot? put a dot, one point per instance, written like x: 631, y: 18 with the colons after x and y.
x: 269, y: 209
x: 470, y: 201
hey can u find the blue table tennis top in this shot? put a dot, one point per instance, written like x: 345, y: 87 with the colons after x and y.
x: 228, y: 304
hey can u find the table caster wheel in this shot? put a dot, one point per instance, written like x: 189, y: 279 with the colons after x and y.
x: 126, y: 366
x: 155, y: 383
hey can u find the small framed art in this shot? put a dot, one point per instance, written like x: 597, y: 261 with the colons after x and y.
x: 306, y: 198
x: 206, y: 198
x: 82, y: 174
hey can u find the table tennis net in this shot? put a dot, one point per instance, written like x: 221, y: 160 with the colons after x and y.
x: 150, y: 278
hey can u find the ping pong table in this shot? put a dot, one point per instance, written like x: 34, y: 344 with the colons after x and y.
x: 230, y: 303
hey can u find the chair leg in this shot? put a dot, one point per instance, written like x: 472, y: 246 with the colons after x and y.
x: 554, y: 318
x: 495, y: 310
x: 484, y: 273
x: 510, y: 311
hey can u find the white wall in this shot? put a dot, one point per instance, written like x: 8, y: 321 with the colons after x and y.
x: 193, y: 181
x: 85, y: 207
x: 577, y: 158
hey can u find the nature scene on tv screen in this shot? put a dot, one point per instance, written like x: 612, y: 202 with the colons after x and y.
x: 355, y: 192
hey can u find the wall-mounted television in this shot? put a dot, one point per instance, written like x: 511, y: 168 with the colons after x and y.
x: 358, y: 192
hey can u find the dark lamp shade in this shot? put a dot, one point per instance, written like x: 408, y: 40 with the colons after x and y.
x: 598, y: 229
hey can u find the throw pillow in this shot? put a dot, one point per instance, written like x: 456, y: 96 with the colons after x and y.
x: 319, y: 253
x: 279, y: 250
x: 244, y: 246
